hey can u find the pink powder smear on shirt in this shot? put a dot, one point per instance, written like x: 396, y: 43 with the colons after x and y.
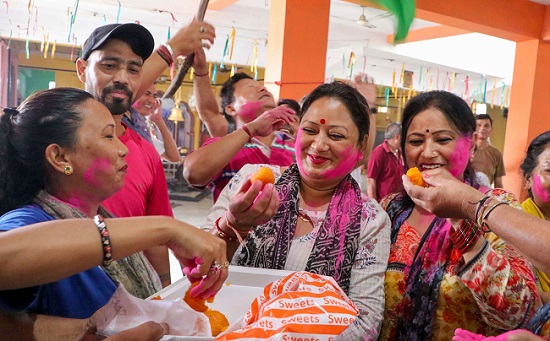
x: 460, y: 156
x: 248, y: 111
x: 539, y: 190
x: 98, y: 166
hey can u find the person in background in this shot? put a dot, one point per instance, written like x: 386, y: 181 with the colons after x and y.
x: 315, y: 218
x: 487, y: 159
x: 149, y: 108
x: 441, y: 267
x: 112, y: 70
x: 257, y: 118
x: 385, y: 166
x: 535, y: 168
x: 60, y: 159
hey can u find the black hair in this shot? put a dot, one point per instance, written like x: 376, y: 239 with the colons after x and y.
x: 44, y: 118
x: 292, y: 104
x: 484, y: 117
x: 227, y: 93
x: 536, y: 147
x: 348, y: 96
x: 455, y: 109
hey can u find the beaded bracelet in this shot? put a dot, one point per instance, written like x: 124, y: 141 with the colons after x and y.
x: 224, y: 235
x: 105, y: 240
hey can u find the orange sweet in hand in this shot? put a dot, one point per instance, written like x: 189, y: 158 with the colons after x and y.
x: 416, y: 177
x: 196, y: 303
x: 218, y: 321
x: 264, y: 174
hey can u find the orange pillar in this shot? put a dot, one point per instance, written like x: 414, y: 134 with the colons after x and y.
x: 297, y: 46
x: 529, y: 107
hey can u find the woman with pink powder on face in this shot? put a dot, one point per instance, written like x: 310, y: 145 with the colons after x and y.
x: 536, y: 176
x: 314, y: 217
x: 445, y: 274
x: 59, y: 159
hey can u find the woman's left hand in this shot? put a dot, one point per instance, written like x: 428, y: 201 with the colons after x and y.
x: 253, y: 205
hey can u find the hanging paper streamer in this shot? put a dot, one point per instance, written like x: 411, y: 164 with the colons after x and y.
x: 485, y: 91
x: 364, y: 64
x: 502, y: 92
x: 466, y: 92
x: 431, y: 84
x: 494, y: 91
x: 210, y: 68
x: 27, y: 52
x: 232, y: 71
x: 72, y: 49
x: 387, y: 96
x: 191, y: 73
x: 7, y: 6
x: 420, y: 78
x: 402, y: 76
x: 232, y: 44
x: 222, y: 64
x: 72, y: 19
x: 437, y: 81
x: 343, y: 64
x: 53, y: 48
x: 29, y: 10
x: 43, y: 40
x: 507, y: 97
x: 445, y: 81
x: 393, y: 81
x: 168, y: 35
x: 453, y: 81
x: 351, y: 63
x: 118, y: 14
x: 11, y: 33
x: 214, y: 73
x: 104, y: 20
x: 47, y: 46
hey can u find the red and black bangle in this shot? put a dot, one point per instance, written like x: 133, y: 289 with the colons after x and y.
x: 465, y: 235
x: 165, y: 54
x: 105, y: 240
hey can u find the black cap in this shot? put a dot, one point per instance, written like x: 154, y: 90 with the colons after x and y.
x: 138, y: 37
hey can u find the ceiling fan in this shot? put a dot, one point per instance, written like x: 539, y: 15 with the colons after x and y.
x: 363, y: 20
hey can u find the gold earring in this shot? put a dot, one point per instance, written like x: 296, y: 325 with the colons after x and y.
x: 68, y: 170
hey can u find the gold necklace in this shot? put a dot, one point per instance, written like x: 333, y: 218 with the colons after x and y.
x: 304, y: 217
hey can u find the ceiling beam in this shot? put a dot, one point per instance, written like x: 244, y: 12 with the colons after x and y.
x: 516, y: 20
x: 429, y: 33
x: 218, y: 5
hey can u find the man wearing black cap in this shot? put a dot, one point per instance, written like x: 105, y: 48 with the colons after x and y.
x: 112, y: 69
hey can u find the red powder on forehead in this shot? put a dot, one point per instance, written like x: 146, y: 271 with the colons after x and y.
x: 322, y: 121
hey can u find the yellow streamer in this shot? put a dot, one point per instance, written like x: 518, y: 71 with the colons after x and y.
x: 191, y: 73
x: 351, y: 59
x: 232, y: 70
x: 453, y: 81
x: 232, y: 37
x: 47, y: 46
x: 494, y: 91
x: 402, y: 74
x: 43, y: 39
x: 53, y: 48
x: 210, y: 68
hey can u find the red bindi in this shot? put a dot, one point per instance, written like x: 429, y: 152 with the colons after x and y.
x: 322, y: 121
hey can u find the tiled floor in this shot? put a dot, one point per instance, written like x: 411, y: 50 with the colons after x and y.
x: 193, y: 213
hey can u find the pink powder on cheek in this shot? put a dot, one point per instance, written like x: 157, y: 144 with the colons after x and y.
x: 299, y: 152
x: 539, y: 190
x: 248, y: 111
x: 460, y: 156
x: 98, y: 166
x: 350, y: 156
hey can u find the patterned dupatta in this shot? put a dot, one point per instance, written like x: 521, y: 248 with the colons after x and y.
x: 417, y: 308
x: 334, y: 250
x: 134, y: 272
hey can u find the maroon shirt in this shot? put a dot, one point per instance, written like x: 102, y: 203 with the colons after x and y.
x: 387, y: 170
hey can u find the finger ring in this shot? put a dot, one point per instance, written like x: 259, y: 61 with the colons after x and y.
x: 202, y: 29
x: 215, y: 267
x: 225, y: 265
